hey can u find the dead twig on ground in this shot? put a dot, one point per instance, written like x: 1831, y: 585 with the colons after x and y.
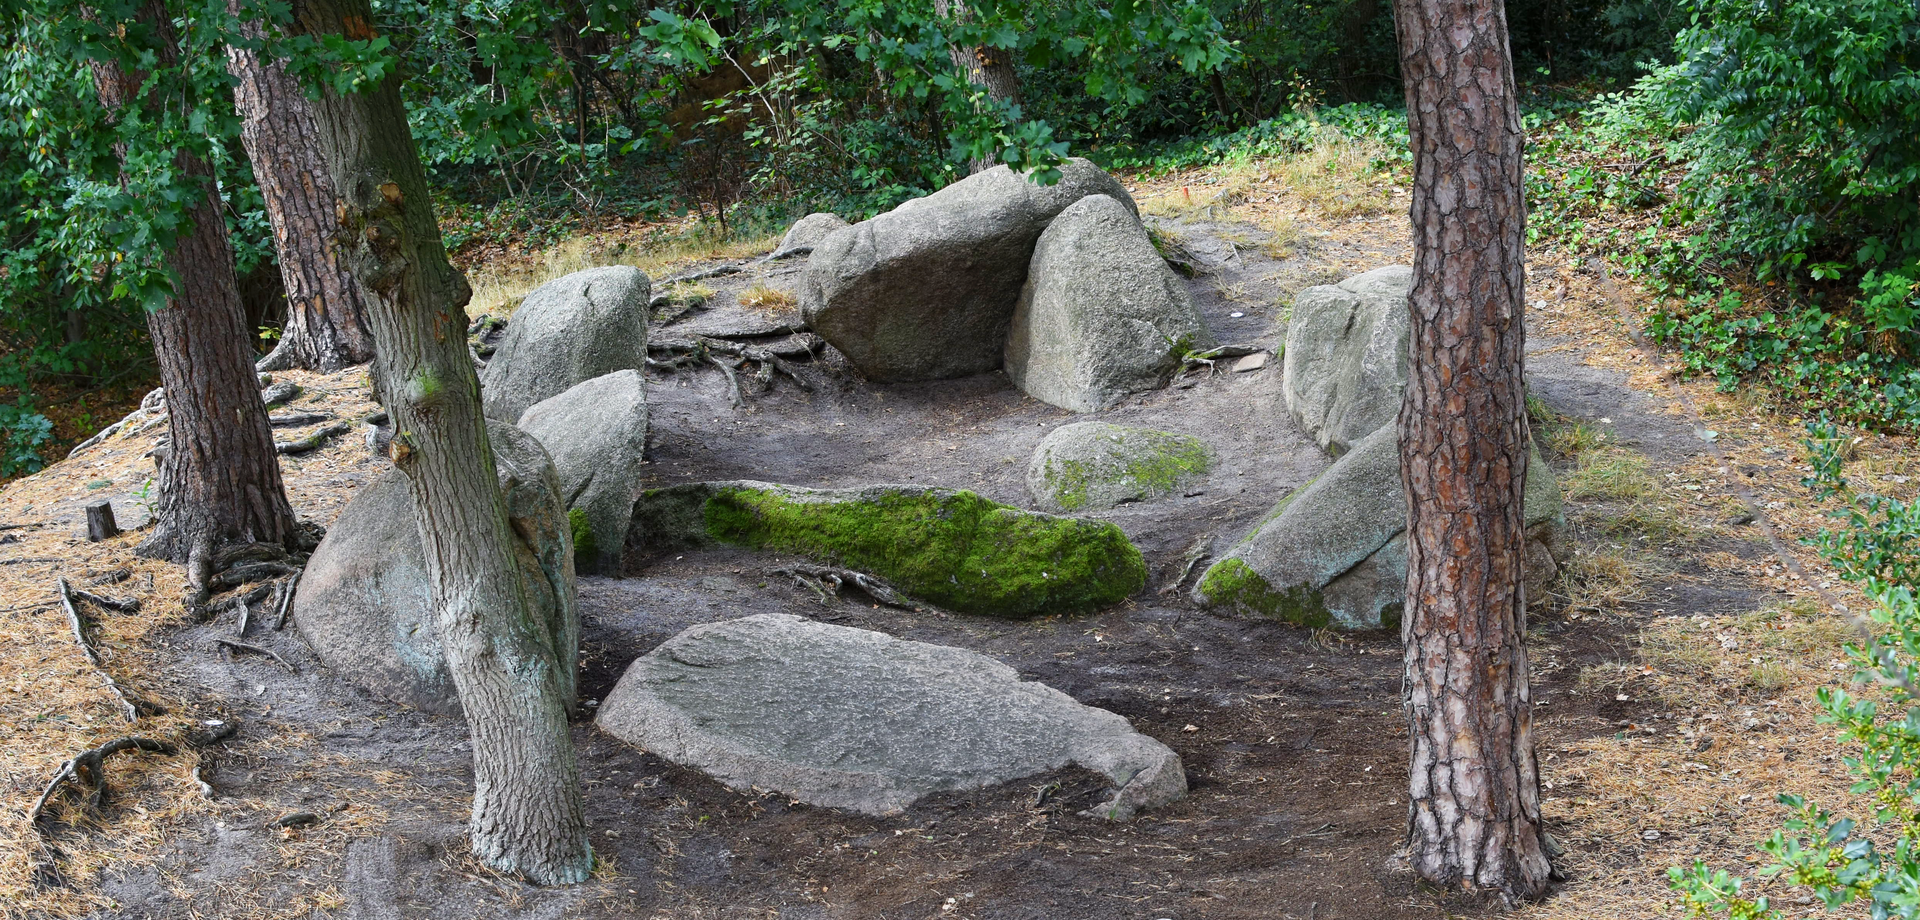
x: 1210, y: 358
x: 239, y: 646
x: 93, y: 658
x: 826, y: 581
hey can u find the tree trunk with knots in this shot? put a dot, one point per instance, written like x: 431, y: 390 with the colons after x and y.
x: 513, y: 673
x: 326, y: 327
x: 983, y: 66
x: 1474, y: 808
x: 219, y: 478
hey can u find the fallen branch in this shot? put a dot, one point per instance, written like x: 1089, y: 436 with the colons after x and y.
x: 89, y: 769
x: 93, y: 658
x: 239, y: 646
x: 823, y: 580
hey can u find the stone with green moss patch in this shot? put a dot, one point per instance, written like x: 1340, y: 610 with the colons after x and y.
x: 951, y: 548
x: 1234, y: 584
x: 1094, y: 466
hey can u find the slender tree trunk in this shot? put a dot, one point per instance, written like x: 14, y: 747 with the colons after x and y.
x: 219, y: 476
x: 1474, y: 808
x: 981, y: 65
x: 511, y: 673
x: 326, y: 327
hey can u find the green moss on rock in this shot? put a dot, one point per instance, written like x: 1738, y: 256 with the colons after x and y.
x: 1095, y: 466
x: 955, y: 549
x: 586, y: 550
x: 1232, y: 583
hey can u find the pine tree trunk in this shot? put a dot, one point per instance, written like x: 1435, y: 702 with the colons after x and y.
x: 219, y: 477
x: 326, y: 327
x: 510, y: 674
x: 986, y: 67
x: 1474, y: 809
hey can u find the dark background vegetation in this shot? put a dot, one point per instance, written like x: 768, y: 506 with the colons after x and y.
x: 1756, y: 164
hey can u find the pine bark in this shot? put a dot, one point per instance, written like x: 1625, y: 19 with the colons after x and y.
x: 510, y: 670
x: 326, y: 325
x: 1474, y: 808
x: 219, y: 478
x: 981, y: 65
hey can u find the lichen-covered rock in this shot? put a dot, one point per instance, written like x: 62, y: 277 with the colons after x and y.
x: 1094, y: 466
x: 849, y: 718
x: 365, y: 604
x: 1345, y: 366
x: 568, y: 331
x: 1333, y: 552
x: 1101, y: 315
x: 811, y: 229
x: 596, y: 432
x: 926, y: 291
x: 952, y: 548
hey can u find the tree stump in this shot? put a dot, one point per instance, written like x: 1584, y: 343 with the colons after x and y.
x: 100, y: 523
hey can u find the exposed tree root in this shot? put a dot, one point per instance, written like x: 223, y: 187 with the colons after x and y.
x: 89, y: 770
x: 286, y: 599
x: 827, y: 582
x: 127, y: 705
x: 1210, y: 358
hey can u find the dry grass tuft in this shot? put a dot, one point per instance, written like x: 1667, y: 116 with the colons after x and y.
x: 1336, y: 177
x: 762, y: 297
x: 496, y: 292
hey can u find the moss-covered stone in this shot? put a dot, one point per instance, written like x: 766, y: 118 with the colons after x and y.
x: 1236, y: 586
x: 952, y: 548
x: 1093, y: 466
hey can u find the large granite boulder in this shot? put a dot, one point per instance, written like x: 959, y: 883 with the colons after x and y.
x: 1101, y: 315
x: 811, y: 229
x: 1333, y: 553
x: 568, y: 331
x: 1094, y: 466
x: 1345, y: 366
x: 365, y: 604
x: 952, y: 548
x: 926, y: 291
x: 848, y: 718
x: 596, y: 432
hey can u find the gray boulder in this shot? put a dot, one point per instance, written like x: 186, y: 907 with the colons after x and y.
x: 1345, y: 365
x: 811, y: 229
x: 952, y: 548
x: 1333, y: 553
x: 1101, y: 315
x: 1094, y: 466
x: 848, y: 718
x: 926, y: 291
x: 585, y: 325
x: 596, y: 432
x: 365, y: 604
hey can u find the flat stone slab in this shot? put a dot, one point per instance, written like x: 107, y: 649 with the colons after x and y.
x: 855, y: 719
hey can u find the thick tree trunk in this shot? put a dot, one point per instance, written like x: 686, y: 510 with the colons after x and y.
x: 511, y: 672
x: 986, y: 67
x: 326, y: 327
x: 1474, y: 809
x: 219, y: 478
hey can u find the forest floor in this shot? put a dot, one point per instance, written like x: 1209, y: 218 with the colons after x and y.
x: 1673, y: 674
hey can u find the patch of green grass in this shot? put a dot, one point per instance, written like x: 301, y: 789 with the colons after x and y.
x: 1613, y: 475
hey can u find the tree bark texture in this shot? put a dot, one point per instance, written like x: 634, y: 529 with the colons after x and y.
x: 982, y: 65
x: 513, y: 671
x: 326, y: 327
x: 1474, y: 808
x: 219, y: 478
